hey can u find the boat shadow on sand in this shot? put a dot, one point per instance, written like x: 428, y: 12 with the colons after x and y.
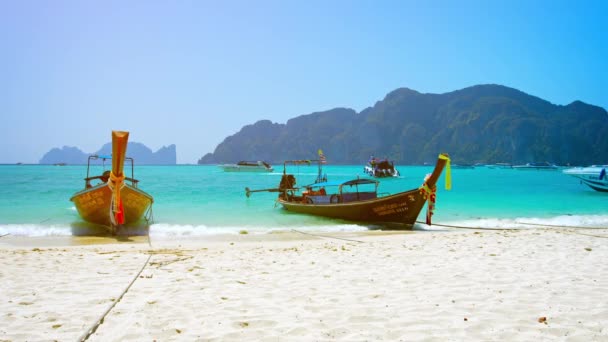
x: 371, y: 226
x: 123, y: 233
x: 397, y: 226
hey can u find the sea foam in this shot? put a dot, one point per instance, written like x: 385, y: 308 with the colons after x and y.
x: 176, y: 230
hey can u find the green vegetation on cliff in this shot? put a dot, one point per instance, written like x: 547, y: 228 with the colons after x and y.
x: 484, y: 123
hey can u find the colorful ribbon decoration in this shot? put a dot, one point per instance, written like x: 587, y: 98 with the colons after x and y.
x: 431, y: 196
x: 115, y: 184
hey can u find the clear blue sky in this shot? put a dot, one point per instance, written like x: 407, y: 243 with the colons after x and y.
x: 191, y: 73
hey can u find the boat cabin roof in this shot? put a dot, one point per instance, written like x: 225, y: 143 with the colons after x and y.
x: 352, y: 182
x: 253, y: 163
x: 384, y: 164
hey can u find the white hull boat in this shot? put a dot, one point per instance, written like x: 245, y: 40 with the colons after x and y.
x: 247, y: 166
x: 537, y: 166
x: 380, y: 169
x: 593, y: 176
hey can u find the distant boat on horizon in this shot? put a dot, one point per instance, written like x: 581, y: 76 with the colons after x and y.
x: 463, y: 166
x: 247, y: 166
x: 501, y: 166
x: 537, y: 166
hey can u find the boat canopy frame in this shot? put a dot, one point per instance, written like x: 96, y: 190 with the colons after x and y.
x: 103, y: 163
x: 320, y: 176
x: 341, y: 184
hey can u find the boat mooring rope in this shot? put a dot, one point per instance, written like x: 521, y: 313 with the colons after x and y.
x: 97, y: 323
x: 149, y: 216
x: 325, y: 236
x: 467, y: 227
x: 558, y: 228
x: 561, y: 226
x: 524, y: 223
x: 475, y: 228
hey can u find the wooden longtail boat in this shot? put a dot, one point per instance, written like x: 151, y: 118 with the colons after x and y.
x: 113, y: 202
x: 354, y: 203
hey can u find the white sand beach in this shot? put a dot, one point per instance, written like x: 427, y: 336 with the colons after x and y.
x: 454, y: 285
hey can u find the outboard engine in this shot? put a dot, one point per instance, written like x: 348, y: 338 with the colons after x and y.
x: 287, y: 182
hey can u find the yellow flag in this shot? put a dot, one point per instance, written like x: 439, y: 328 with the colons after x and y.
x: 322, y: 157
x: 448, y: 171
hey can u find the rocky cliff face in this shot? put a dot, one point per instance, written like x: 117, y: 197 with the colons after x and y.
x: 142, y: 155
x: 484, y: 123
x: 66, y: 154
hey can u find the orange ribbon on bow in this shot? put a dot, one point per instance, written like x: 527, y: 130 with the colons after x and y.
x: 431, y: 196
x: 116, y: 183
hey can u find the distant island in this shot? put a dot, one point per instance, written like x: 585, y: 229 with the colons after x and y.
x: 480, y: 124
x: 141, y: 154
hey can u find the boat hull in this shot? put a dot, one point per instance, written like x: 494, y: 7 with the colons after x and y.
x: 381, y: 173
x: 402, y: 209
x: 590, y: 176
x: 93, y: 204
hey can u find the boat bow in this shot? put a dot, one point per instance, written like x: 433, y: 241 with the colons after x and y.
x: 117, y: 177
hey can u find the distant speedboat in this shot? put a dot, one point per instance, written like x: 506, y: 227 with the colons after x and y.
x: 380, y: 168
x: 593, y: 176
x: 500, y: 166
x: 247, y: 166
x: 537, y: 166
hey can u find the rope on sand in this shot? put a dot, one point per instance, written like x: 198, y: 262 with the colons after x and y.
x: 466, y: 227
x: 561, y: 228
x: 327, y: 237
x: 94, y: 327
x: 473, y: 228
x: 577, y: 233
x: 525, y: 223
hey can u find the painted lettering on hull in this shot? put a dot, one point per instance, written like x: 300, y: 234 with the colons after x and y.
x: 92, y: 200
x: 390, y: 209
x: 393, y: 208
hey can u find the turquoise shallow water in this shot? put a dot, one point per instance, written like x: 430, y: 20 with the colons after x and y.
x: 192, y: 199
